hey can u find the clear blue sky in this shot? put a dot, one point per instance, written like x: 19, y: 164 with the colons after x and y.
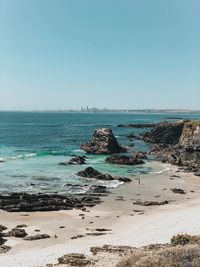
x: 60, y: 54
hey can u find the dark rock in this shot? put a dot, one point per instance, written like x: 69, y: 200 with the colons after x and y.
x: 102, y: 230
x: 4, y: 249
x: 90, y: 172
x: 45, y: 202
x: 78, y: 160
x: 2, y: 240
x: 178, y: 191
x: 124, y: 179
x: 17, y: 232
x: 74, y: 259
x: 36, y: 237
x: 103, y: 142
x: 21, y: 226
x: 96, y: 234
x: 124, y: 160
x: 3, y: 228
x: 151, y: 203
x: 175, y: 176
x: 165, y: 133
x: 77, y: 236
x: 177, y: 143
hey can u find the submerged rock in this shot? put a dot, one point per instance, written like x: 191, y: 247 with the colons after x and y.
x: 79, y: 160
x: 103, y: 142
x: 125, y: 160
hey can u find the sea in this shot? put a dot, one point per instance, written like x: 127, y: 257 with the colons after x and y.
x: 32, y: 144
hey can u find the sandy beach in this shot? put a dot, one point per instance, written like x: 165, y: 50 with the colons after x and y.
x: 126, y: 223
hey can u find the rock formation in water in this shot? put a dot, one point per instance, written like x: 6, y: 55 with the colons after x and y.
x: 90, y: 172
x: 127, y: 160
x: 103, y: 142
x: 78, y: 160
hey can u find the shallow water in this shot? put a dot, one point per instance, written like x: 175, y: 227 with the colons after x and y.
x: 33, y: 144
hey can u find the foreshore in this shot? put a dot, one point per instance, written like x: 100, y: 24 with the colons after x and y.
x: 126, y: 223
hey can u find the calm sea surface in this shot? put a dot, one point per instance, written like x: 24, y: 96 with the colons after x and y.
x: 33, y: 145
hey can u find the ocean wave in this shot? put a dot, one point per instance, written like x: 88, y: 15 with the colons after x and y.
x: 22, y: 156
x: 32, y: 155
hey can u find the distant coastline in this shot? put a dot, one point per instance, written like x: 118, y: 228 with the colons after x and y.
x: 97, y: 110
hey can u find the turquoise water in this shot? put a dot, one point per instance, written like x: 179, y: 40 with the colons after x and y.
x: 33, y: 144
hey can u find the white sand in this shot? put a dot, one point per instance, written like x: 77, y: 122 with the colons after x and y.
x: 156, y: 225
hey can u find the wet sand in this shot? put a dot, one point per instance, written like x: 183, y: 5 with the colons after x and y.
x: 129, y: 224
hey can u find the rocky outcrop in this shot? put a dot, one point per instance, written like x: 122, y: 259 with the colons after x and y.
x: 126, y: 160
x: 177, y: 143
x: 190, y: 137
x: 17, y: 232
x: 75, y: 259
x: 103, y: 142
x: 165, y: 133
x: 16, y: 202
x: 90, y: 172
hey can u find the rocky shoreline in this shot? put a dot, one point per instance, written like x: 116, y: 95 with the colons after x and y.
x: 177, y: 144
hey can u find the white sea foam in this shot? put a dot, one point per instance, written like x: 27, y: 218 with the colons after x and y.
x: 162, y: 171
x: 112, y: 184
x: 30, y: 155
